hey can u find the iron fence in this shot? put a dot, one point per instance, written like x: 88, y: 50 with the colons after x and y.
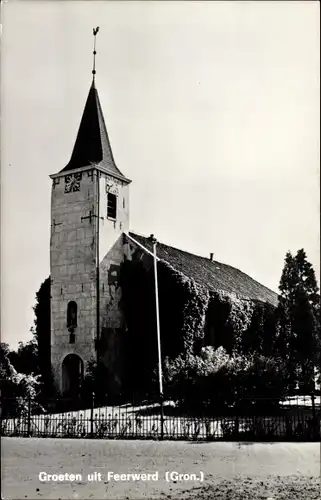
x: 293, y: 419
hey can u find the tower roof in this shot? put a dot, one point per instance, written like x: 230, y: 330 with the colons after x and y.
x: 92, y: 144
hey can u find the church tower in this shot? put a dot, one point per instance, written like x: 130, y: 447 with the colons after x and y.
x: 89, y: 214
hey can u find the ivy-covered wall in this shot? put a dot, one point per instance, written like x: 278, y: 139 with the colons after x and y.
x: 191, y: 317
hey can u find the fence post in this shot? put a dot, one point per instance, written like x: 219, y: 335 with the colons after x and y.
x: 162, y: 417
x: 0, y: 410
x: 313, y: 405
x: 237, y: 412
x: 92, y: 415
x: 29, y: 417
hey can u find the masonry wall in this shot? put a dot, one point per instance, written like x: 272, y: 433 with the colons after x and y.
x: 111, y: 252
x: 73, y: 253
x: 73, y: 271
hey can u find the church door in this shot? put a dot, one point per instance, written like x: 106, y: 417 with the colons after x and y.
x: 72, y: 375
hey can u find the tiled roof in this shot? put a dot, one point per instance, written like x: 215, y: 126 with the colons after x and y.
x: 92, y: 145
x: 213, y: 275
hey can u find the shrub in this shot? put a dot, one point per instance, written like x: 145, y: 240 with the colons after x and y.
x: 20, y: 395
x: 214, y: 379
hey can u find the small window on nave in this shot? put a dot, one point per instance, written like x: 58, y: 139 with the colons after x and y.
x: 111, y: 206
x: 72, y: 314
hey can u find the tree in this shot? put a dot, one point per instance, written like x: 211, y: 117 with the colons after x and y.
x: 18, y: 390
x: 26, y: 358
x: 41, y: 332
x: 298, y: 332
x: 6, y: 368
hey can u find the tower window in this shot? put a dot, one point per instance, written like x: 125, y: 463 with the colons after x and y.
x: 72, y: 314
x: 111, y: 205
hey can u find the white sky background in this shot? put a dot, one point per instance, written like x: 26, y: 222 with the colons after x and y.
x: 212, y: 110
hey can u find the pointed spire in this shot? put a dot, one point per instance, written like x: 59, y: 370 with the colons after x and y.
x: 92, y: 146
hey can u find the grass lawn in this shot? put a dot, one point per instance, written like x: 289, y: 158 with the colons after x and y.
x: 231, y: 471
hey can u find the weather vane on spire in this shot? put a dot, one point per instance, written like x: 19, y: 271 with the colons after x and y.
x: 95, y: 31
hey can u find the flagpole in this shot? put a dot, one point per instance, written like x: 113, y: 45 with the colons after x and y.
x: 160, y: 374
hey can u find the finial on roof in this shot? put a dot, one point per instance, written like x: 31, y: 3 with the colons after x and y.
x: 95, y: 31
x: 152, y: 239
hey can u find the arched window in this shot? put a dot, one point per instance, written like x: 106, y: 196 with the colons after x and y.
x: 72, y: 314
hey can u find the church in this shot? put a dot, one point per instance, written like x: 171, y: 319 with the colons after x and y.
x: 90, y: 241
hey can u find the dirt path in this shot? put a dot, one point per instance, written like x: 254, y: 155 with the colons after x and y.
x: 231, y: 471
x: 271, y: 488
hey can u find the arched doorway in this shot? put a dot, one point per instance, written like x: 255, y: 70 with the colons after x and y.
x: 72, y: 375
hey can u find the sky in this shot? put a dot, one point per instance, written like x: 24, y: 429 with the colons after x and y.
x: 212, y: 109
